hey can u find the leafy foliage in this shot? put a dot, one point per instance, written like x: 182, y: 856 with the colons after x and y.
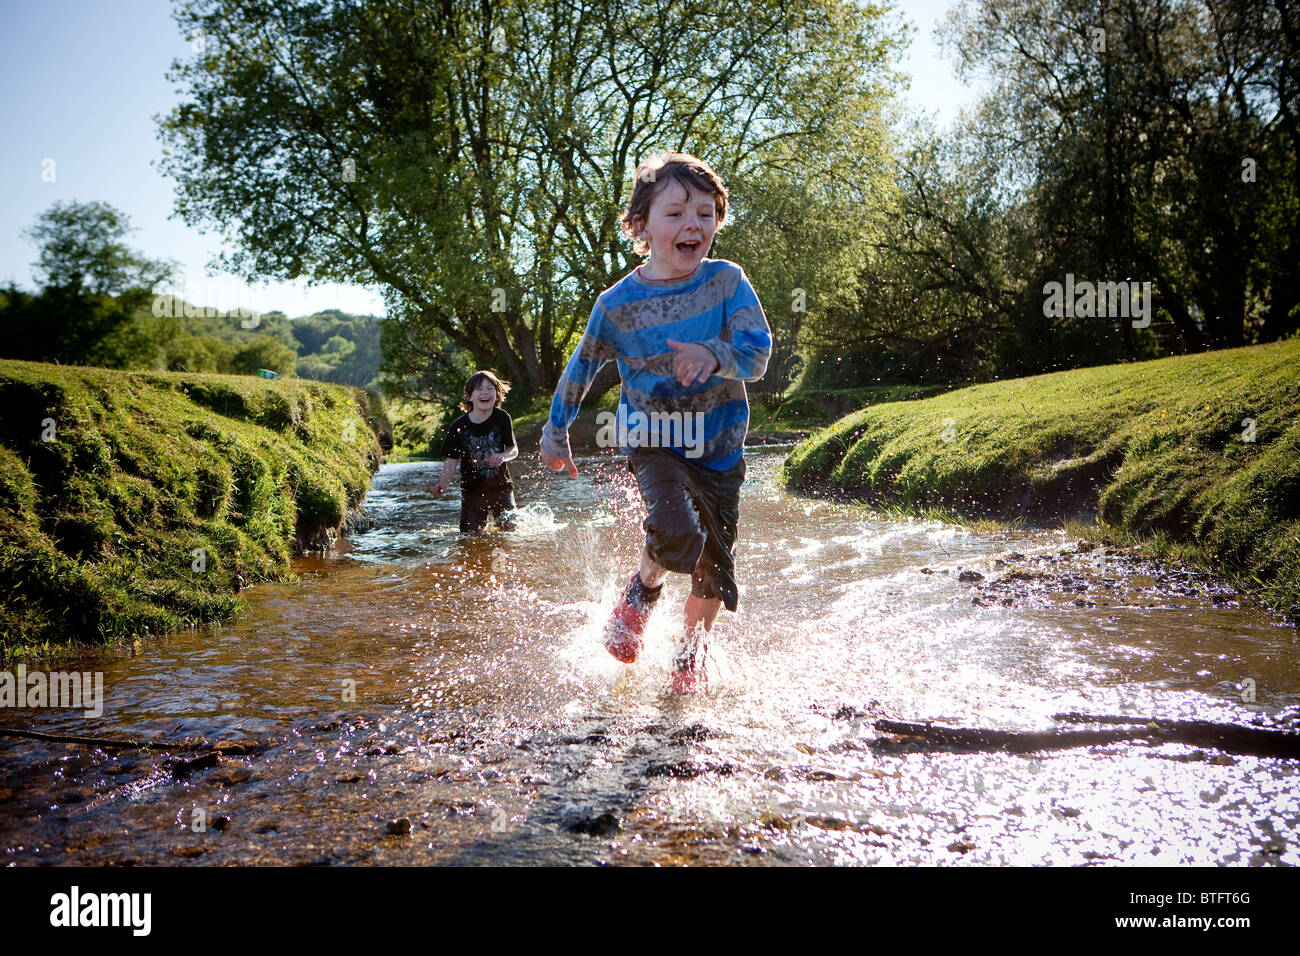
x: 471, y: 158
x: 82, y: 251
x: 1148, y: 140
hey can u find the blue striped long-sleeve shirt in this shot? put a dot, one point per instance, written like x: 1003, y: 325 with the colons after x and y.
x: 631, y: 322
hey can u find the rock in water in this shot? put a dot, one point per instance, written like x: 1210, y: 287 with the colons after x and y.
x: 604, y: 825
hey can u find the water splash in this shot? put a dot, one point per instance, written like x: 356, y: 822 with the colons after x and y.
x: 537, y: 518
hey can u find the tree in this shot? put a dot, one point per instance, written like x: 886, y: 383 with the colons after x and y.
x: 471, y: 158
x: 337, y: 347
x: 82, y: 251
x: 95, y: 289
x: 1142, y: 140
x: 66, y: 325
x: 263, y: 351
x: 1136, y: 128
x: 941, y: 283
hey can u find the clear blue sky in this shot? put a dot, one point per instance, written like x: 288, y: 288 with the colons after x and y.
x: 80, y: 83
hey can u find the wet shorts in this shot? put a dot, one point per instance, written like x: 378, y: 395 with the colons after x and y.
x: 475, y: 506
x: 690, y: 524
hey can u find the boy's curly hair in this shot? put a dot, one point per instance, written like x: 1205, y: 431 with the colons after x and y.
x: 477, y: 379
x: 654, y: 173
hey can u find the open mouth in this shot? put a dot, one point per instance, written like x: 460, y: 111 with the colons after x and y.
x: 689, y: 247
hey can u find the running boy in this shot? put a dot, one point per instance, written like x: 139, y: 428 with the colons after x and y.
x: 478, y: 444
x: 687, y: 333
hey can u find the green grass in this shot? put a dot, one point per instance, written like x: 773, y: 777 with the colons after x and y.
x: 134, y: 503
x: 805, y: 410
x: 1151, y: 451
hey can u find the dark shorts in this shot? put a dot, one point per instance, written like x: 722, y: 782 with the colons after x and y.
x: 690, y: 524
x: 476, y: 506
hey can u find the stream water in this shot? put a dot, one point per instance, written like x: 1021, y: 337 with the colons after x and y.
x: 455, y: 690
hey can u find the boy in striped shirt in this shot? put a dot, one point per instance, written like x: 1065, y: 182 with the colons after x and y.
x: 687, y: 333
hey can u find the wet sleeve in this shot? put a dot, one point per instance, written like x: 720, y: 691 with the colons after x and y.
x: 594, y: 350
x: 743, y: 348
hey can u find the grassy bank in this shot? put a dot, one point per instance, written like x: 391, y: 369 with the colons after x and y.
x: 805, y: 410
x: 142, y: 502
x: 1197, y: 454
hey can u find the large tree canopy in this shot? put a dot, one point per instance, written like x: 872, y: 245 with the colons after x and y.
x: 1160, y: 138
x: 1120, y: 141
x: 471, y: 158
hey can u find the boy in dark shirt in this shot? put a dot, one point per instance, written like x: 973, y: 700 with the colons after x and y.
x: 478, y: 445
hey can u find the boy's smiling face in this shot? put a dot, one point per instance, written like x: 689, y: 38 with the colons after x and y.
x: 484, y: 398
x: 679, y: 230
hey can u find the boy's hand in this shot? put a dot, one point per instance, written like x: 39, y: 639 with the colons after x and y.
x: 693, y: 363
x: 497, y: 460
x: 436, y: 491
x: 557, y: 463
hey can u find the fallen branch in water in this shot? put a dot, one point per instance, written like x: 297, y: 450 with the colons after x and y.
x: 109, y: 744
x: 1012, y: 741
x: 1231, y: 738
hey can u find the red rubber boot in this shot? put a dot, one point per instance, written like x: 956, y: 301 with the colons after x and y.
x: 627, y: 623
x: 690, y: 665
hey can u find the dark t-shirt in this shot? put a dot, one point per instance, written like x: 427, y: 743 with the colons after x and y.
x: 472, y: 442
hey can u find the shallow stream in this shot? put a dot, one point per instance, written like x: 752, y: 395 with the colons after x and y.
x: 459, y: 685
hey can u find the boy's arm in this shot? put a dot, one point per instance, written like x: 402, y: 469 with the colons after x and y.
x: 593, y: 351
x: 449, y: 469
x: 511, y: 450
x: 743, y: 348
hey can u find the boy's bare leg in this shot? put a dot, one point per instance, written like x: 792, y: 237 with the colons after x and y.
x: 701, y: 610
x: 651, y: 573
x: 698, y: 610
x: 689, y: 669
